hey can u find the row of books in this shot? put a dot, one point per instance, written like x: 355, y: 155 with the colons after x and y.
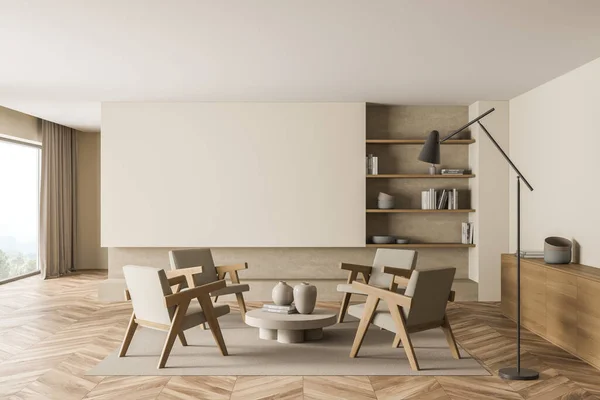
x: 467, y: 233
x: 433, y: 199
x: 274, y: 308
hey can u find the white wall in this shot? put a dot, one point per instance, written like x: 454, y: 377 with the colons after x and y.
x: 555, y: 141
x: 233, y: 174
x: 489, y: 197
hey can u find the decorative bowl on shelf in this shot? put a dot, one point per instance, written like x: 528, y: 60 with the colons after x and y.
x: 383, y: 239
x: 402, y: 241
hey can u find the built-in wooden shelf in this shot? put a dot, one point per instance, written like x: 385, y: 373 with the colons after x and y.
x: 423, y: 245
x: 417, y: 141
x: 419, y: 176
x: 417, y: 211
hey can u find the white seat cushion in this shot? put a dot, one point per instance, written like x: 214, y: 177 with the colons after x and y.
x: 382, y: 317
x: 231, y: 288
x: 195, y: 316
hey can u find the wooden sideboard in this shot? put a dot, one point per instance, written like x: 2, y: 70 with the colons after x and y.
x: 561, y: 303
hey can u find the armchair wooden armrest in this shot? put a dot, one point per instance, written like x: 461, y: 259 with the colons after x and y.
x: 184, y: 274
x: 193, y: 293
x: 355, y: 269
x: 383, y: 294
x: 232, y: 270
x: 401, y: 277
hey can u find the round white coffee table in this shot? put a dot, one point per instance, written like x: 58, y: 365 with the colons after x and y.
x: 290, y: 328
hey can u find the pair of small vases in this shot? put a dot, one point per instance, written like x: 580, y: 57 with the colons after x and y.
x: 303, y: 295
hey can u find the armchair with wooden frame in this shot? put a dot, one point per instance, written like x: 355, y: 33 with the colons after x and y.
x: 187, y: 259
x: 387, y: 264
x: 420, y: 308
x: 157, y: 306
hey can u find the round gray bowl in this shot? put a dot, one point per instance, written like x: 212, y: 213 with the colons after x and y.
x: 557, y: 250
x: 383, y: 239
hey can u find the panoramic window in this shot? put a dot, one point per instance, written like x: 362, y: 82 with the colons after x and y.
x: 19, y: 208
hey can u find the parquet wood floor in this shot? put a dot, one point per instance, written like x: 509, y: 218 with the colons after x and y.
x: 52, y: 332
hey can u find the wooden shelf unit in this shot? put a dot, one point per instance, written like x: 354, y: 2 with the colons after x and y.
x: 423, y: 245
x: 416, y: 211
x: 418, y: 141
x: 419, y: 176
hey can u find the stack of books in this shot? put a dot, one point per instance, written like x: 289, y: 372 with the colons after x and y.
x: 467, y: 233
x: 531, y: 254
x: 274, y: 308
x: 454, y: 171
x: 433, y: 199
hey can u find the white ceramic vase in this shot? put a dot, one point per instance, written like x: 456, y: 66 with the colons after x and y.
x: 282, y: 294
x: 305, y: 297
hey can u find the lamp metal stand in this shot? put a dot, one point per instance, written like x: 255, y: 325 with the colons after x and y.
x: 510, y: 373
x: 518, y: 373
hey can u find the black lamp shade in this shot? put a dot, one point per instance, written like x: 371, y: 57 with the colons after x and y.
x: 431, y: 149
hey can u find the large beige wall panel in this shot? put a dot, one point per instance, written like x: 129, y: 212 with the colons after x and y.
x: 489, y: 196
x: 233, y: 174
x: 554, y: 141
x: 89, y: 253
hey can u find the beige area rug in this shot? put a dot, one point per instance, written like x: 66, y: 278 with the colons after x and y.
x: 250, y: 355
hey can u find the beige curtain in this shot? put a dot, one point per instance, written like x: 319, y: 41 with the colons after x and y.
x: 57, y: 200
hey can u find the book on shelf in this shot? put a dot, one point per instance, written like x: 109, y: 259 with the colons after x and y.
x: 274, y: 308
x: 453, y: 171
x: 433, y: 199
x: 443, y: 200
x: 467, y: 233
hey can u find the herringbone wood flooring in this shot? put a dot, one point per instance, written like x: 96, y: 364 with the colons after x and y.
x: 52, y: 332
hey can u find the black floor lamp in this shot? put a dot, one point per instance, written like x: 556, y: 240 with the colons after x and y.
x: 431, y: 154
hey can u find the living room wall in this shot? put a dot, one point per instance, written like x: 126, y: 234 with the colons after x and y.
x: 321, y: 265
x: 554, y: 141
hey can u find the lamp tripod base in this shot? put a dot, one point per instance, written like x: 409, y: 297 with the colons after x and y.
x: 513, y: 374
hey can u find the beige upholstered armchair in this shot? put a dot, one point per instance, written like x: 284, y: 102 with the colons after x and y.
x: 421, y: 307
x: 157, y: 306
x: 188, y: 259
x: 387, y: 266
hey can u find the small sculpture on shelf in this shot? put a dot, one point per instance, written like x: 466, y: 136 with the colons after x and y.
x: 385, y: 201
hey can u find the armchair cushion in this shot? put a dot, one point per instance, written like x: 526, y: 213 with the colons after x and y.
x: 187, y: 258
x: 382, y: 317
x: 195, y: 315
x: 231, y: 288
x: 399, y: 258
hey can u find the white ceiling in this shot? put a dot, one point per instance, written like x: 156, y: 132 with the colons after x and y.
x: 59, y: 59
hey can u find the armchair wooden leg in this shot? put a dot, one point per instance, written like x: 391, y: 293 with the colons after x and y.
x: 370, y: 306
x: 128, y: 335
x: 450, y: 338
x: 174, y: 330
x: 182, y: 339
x: 344, y: 307
x: 400, y: 322
x: 241, y: 304
x: 397, y: 341
x: 213, y: 324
